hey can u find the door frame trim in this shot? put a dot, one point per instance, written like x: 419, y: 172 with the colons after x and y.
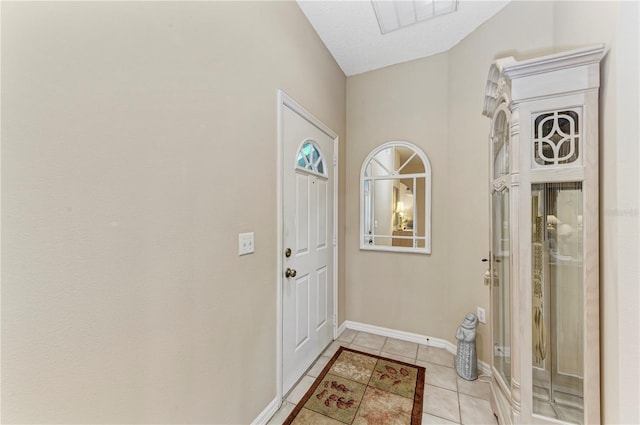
x: 285, y: 101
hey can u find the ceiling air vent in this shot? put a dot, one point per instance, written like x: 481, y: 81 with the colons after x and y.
x: 395, y: 14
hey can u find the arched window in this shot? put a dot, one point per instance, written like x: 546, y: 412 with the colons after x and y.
x: 310, y: 159
x: 395, y: 199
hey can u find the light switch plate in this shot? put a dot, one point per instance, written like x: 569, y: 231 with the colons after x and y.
x: 245, y: 243
x: 482, y: 316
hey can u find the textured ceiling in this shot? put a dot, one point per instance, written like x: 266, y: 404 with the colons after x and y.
x: 350, y: 31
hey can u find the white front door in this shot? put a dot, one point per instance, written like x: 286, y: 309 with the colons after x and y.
x: 308, y: 243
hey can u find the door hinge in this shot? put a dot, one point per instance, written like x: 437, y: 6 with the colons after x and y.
x: 334, y: 240
x: 335, y: 161
x: 334, y: 319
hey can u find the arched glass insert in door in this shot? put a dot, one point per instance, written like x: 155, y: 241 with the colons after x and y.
x: 310, y: 159
x: 395, y: 199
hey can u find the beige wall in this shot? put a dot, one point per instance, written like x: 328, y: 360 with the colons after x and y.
x: 123, y: 299
x: 138, y: 140
x: 402, y: 101
x: 435, y: 103
x: 405, y: 102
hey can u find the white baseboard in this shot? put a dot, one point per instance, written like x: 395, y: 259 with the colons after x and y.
x: 341, y: 329
x: 267, y: 413
x: 411, y: 337
x: 392, y: 333
x: 485, y: 368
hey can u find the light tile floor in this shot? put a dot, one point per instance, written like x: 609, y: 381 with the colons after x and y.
x: 448, y: 399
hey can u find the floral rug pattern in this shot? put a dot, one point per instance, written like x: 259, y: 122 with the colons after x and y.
x: 362, y: 389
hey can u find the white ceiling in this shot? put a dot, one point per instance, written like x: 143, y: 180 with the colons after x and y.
x: 350, y: 31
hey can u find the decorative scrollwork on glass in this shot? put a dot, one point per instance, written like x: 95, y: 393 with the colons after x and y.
x: 556, y: 138
x: 499, y: 186
x: 539, y: 333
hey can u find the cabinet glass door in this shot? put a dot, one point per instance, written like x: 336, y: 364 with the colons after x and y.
x: 500, y: 243
x: 557, y: 301
x: 501, y: 288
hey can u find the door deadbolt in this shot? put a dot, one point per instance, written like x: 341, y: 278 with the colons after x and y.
x: 290, y: 273
x: 287, y: 252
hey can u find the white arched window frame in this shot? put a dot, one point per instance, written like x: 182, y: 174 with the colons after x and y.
x: 374, y: 174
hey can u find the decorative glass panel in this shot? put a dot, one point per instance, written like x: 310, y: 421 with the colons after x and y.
x: 310, y: 158
x: 556, y: 137
x: 558, y: 299
x: 501, y: 291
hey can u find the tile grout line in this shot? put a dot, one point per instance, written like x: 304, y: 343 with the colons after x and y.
x: 459, y: 407
x: 457, y: 392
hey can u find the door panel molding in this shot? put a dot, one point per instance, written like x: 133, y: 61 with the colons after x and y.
x: 284, y: 101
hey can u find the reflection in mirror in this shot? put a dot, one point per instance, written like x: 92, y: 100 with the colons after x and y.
x: 395, y: 199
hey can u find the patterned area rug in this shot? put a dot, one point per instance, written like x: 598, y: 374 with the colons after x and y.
x: 359, y: 388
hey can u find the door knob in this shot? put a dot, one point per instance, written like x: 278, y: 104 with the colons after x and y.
x: 290, y: 273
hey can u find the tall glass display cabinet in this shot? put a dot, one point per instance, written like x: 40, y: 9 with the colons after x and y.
x: 544, y: 238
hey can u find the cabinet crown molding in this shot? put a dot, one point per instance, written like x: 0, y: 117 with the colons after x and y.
x: 554, y: 62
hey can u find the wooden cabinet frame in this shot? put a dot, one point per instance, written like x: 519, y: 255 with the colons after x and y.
x: 562, y: 86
